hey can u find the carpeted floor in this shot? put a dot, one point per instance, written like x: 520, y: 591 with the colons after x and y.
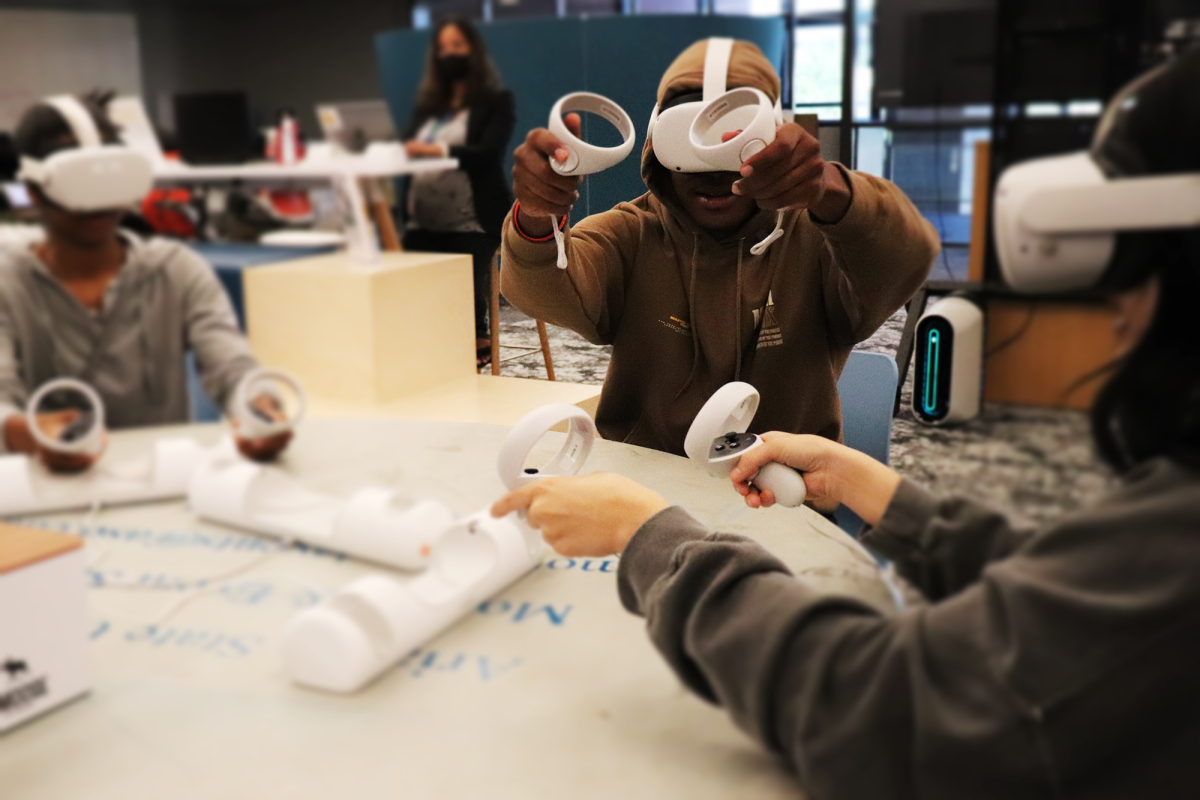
x: 1037, y: 464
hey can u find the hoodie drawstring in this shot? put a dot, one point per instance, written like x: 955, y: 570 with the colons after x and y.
x: 692, y: 318
x: 737, y: 314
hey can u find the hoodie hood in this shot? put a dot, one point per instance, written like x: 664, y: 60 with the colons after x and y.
x: 747, y: 67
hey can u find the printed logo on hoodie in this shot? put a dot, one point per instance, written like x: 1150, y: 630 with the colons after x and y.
x: 769, y: 334
x: 678, y: 325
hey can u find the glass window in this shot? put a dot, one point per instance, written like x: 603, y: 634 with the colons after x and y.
x: 751, y: 8
x: 667, y: 6
x: 817, y: 70
x: 806, y: 7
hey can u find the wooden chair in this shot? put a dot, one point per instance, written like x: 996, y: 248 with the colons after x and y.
x: 494, y: 313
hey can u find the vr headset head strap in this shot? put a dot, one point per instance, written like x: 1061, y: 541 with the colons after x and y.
x: 716, y: 66
x: 78, y: 118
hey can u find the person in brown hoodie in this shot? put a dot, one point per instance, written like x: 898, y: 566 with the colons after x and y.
x: 669, y: 281
x: 1051, y: 663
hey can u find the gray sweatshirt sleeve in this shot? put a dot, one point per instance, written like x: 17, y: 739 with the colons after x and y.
x: 13, y: 394
x: 222, y: 353
x: 942, y: 545
x: 1067, y: 669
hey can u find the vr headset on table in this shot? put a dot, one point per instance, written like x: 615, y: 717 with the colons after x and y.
x: 93, y: 176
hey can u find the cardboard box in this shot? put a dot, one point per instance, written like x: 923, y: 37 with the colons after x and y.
x: 43, y: 623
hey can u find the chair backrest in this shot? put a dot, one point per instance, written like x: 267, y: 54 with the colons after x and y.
x: 867, y: 390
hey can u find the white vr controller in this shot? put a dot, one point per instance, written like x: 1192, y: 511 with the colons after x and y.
x: 584, y: 158
x: 581, y: 436
x: 255, y: 422
x: 369, y: 625
x: 82, y: 436
x: 706, y: 130
x: 717, y: 440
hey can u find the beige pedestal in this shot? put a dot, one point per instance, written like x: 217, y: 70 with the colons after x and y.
x: 365, y: 334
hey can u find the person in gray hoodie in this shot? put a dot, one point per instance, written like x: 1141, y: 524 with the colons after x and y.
x: 1059, y: 662
x: 95, y: 302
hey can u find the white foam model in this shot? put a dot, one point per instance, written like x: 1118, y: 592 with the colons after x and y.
x: 253, y: 423
x: 93, y: 176
x: 27, y: 486
x: 717, y: 440
x: 584, y: 158
x: 374, y: 523
x: 348, y: 641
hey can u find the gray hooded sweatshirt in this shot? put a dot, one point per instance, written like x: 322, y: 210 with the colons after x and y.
x: 165, y: 301
x: 1054, y: 663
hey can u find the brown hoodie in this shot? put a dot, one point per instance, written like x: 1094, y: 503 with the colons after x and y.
x: 687, y: 313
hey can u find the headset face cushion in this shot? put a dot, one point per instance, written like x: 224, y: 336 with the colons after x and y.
x: 97, y: 179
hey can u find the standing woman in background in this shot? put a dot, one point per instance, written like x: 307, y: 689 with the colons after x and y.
x: 462, y: 112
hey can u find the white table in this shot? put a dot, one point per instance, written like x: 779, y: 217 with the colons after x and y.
x: 551, y: 690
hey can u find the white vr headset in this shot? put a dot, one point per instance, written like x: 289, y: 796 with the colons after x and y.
x: 93, y: 176
x: 1056, y: 219
x: 686, y: 138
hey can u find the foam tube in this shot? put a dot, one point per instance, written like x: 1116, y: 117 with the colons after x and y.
x: 28, y: 487
x: 349, y: 640
x: 371, y: 524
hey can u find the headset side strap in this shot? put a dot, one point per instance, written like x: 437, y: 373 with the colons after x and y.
x: 78, y: 118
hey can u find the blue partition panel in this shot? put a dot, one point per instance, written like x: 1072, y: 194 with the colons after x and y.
x: 541, y: 60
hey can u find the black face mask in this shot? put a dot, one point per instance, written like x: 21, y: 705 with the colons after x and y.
x: 453, y: 68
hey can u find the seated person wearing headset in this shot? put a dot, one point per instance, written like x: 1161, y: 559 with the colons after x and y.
x: 95, y: 302
x: 1059, y: 662
x: 669, y: 281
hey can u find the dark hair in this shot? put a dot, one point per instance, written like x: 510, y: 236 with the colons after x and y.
x: 436, y: 94
x: 43, y: 130
x: 1150, y: 407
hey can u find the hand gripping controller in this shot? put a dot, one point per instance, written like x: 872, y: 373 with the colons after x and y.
x: 260, y: 407
x: 584, y: 158
x: 717, y: 440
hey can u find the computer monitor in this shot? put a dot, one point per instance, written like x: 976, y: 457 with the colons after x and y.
x: 213, y: 128
x: 352, y: 126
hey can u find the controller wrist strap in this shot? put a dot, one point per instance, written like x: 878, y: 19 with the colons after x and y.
x: 772, y: 237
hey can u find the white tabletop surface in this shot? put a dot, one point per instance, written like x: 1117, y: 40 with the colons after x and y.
x: 550, y: 690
